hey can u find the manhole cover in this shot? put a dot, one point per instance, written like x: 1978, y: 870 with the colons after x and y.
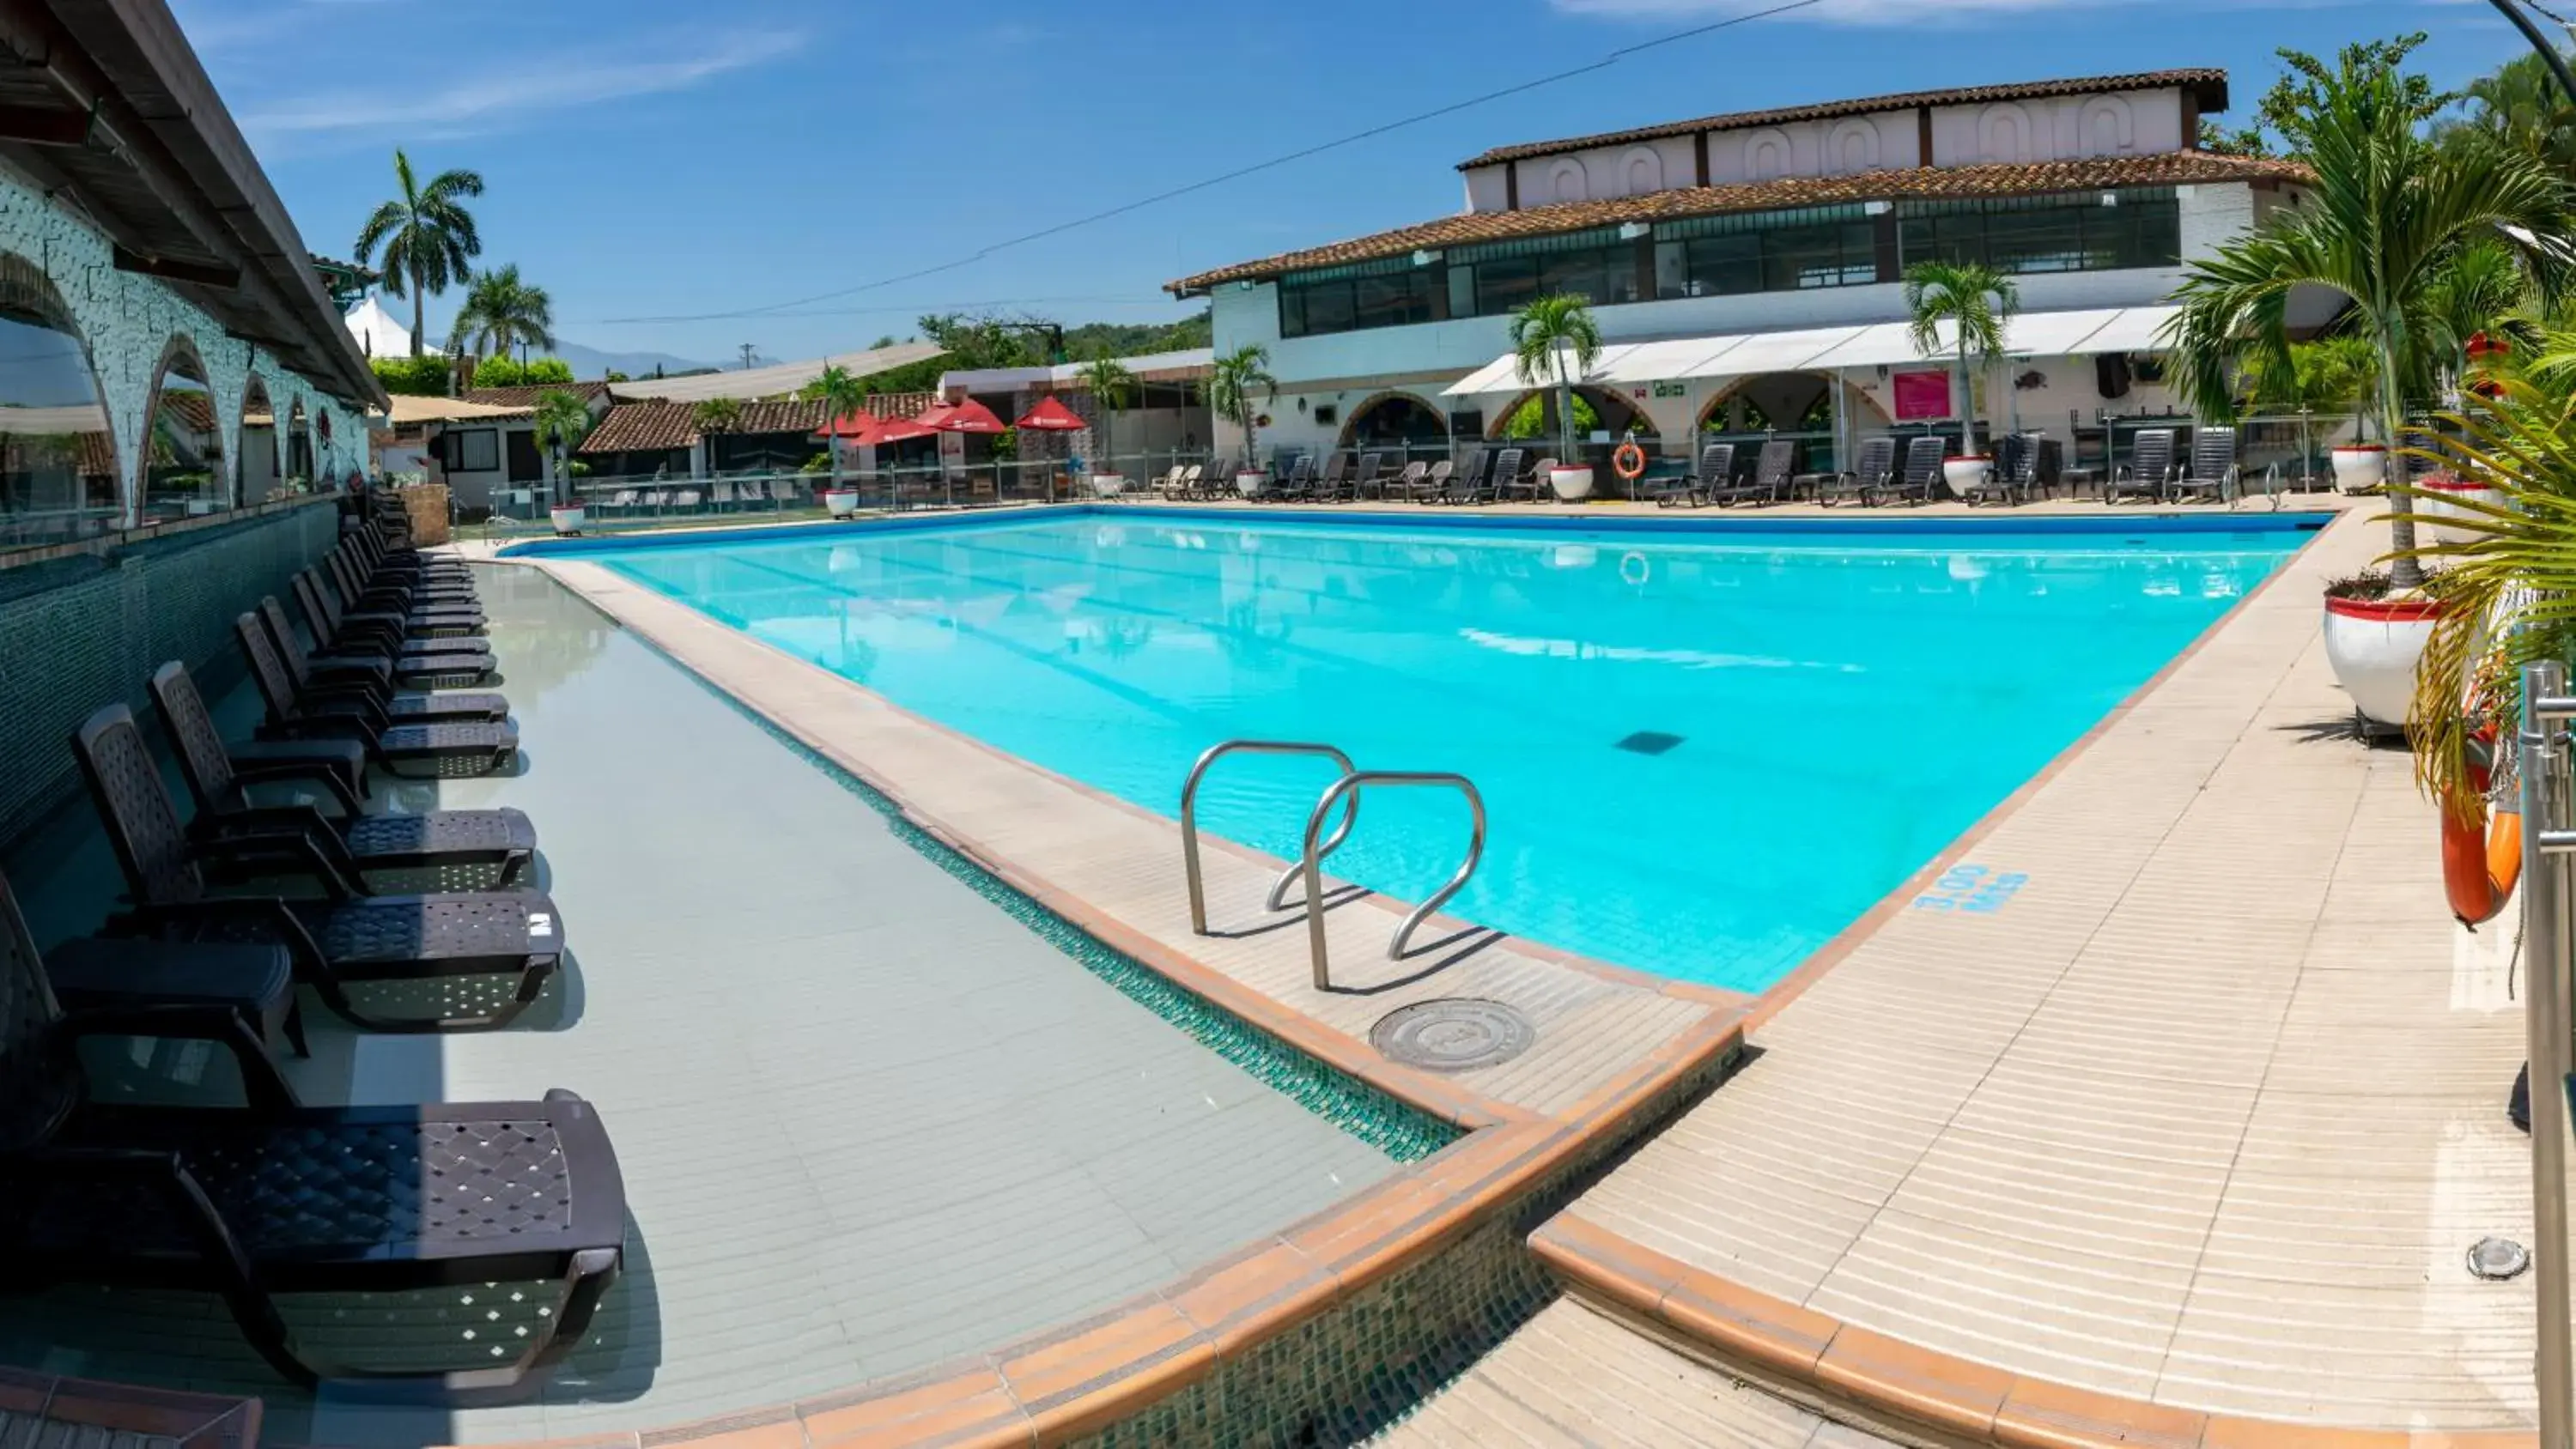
x: 1456, y: 1035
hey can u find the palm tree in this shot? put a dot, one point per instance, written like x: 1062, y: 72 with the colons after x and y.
x: 841, y: 392
x: 500, y: 312
x: 716, y: 415
x: 1237, y: 386
x: 2391, y: 211
x: 1111, y: 384
x: 1543, y: 334
x: 427, y: 234
x: 563, y: 420
x: 2521, y: 108
x: 1980, y: 303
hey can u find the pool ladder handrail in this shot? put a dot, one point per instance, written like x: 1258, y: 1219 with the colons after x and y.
x: 1346, y: 792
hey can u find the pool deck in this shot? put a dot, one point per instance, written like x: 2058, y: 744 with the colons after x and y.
x: 2185, y: 1144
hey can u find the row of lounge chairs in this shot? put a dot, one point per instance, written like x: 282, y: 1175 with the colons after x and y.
x: 233, y: 907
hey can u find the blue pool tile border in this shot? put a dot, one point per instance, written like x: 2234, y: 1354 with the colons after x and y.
x: 1856, y: 523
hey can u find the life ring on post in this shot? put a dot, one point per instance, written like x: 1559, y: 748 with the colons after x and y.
x: 2481, y: 853
x: 1629, y: 462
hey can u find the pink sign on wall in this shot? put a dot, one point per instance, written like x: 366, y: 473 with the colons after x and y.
x: 1922, y: 395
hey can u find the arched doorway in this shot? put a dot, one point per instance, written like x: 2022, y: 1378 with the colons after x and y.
x: 58, y: 465
x: 1531, y: 418
x: 1400, y: 423
x: 183, y: 441
x: 256, y: 460
x: 325, y: 461
x: 299, y: 449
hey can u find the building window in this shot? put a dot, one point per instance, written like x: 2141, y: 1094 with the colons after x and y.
x: 1344, y: 299
x: 476, y: 450
x: 1490, y: 281
x: 2091, y: 233
x: 1781, y: 251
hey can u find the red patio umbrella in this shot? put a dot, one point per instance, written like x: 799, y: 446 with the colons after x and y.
x: 861, y: 428
x: 969, y: 416
x: 1052, y: 416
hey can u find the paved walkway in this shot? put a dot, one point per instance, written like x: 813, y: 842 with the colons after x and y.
x: 2207, y: 1115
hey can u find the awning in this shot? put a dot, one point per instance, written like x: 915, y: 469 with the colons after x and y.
x: 1825, y: 349
x: 407, y: 410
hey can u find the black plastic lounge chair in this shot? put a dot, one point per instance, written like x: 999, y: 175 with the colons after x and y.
x: 427, y: 582
x: 2008, y: 480
x: 390, y: 635
x: 1716, y: 470
x: 1369, y: 473
x: 1921, y: 479
x: 395, y: 595
x: 448, y: 749
x: 1300, y: 480
x: 408, y: 670
x: 2148, y: 471
x: 1336, y: 471
x: 1517, y: 483
x: 2212, y: 471
x: 279, y: 1198
x: 1774, y: 471
x: 1433, y: 482
x: 379, y: 551
x: 369, y: 679
x: 1871, y: 473
x: 495, y: 845
x: 347, y: 935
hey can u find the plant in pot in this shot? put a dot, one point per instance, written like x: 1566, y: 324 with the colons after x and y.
x: 2390, y: 217
x: 1977, y: 303
x: 1554, y: 341
x: 1238, y: 384
x: 842, y: 394
x: 562, y: 421
x: 1111, y: 384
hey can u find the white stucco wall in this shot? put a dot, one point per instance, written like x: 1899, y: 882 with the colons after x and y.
x: 129, y: 322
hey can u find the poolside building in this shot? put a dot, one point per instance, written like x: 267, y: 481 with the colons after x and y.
x: 1164, y: 416
x: 1746, y: 270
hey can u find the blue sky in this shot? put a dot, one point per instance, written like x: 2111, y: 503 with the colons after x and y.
x: 664, y: 159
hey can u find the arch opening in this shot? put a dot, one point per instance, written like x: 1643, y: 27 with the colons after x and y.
x: 255, y: 461
x: 299, y: 449
x: 1397, y: 421
x: 59, y: 478
x: 183, y: 441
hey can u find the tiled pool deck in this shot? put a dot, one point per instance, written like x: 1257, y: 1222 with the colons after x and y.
x: 2185, y: 1144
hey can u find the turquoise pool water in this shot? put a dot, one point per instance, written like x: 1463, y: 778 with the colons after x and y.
x: 1702, y: 754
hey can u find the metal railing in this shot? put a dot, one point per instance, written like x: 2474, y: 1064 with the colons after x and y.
x: 1345, y: 793
x: 2549, y: 948
x: 1348, y: 788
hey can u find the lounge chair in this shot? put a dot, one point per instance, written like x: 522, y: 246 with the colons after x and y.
x: 1716, y: 471
x: 1871, y: 473
x: 412, y: 669
x: 445, y: 748
x: 497, y: 844
x: 1920, y: 481
x: 1371, y: 473
x: 1432, y: 485
x: 1774, y: 468
x: 623, y: 501
x: 369, y: 679
x: 450, y: 606
x: 347, y: 935
x: 372, y: 633
x: 1530, y: 484
x: 394, y: 556
x: 1298, y: 483
x: 1407, y: 484
x: 1484, y: 483
x: 274, y: 1197
x: 2212, y: 470
x: 1328, y: 483
x: 2008, y: 479
x: 2148, y: 471
x: 1184, y: 483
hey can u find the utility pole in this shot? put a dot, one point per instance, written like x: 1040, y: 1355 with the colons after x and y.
x: 748, y: 353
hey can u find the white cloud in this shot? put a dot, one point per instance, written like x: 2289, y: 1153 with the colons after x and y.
x: 489, y: 97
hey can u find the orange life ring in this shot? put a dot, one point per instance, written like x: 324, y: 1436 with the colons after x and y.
x: 1629, y: 462
x: 2481, y: 857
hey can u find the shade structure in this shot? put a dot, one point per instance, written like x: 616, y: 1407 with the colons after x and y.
x: 904, y: 430
x: 1052, y: 416
x: 860, y: 428
x: 932, y: 416
x: 969, y: 416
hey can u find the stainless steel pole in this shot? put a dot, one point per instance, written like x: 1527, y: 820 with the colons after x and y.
x: 2547, y: 948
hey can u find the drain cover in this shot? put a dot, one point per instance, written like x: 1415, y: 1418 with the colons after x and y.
x: 1651, y: 742
x: 2496, y: 1259
x: 1457, y: 1034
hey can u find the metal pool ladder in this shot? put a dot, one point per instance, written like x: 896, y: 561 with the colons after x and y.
x: 1344, y: 792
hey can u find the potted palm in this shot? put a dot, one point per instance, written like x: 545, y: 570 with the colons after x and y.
x: 1978, y: 304
x: 1110, y: 383
x: 2392, y: 212
x: 562, y: 421
x: 1555, y: 340
x: 842, y: 394
x: 1238, y: 384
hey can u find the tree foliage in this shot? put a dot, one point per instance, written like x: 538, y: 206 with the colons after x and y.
x: 501, y: 312
x: 716, y: 415
x: 412, y: 376
x: 1237, y: 386
x: 1554, y: 342
x: 427, y: 235
x: 510, y: 372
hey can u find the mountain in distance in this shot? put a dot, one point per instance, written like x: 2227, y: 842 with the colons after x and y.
x: 589, y: 363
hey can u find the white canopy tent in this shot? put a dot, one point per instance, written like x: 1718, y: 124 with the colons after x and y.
x: 378, y: 334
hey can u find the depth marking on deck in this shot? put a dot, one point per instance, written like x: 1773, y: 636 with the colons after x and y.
x: 1972, y: 889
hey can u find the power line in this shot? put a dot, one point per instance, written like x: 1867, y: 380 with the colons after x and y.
x: 931, y: 308
x: 1301, y: 154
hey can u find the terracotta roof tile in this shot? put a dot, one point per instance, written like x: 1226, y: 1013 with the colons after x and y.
x: 645, y: 427
x: 2209, y: 85
x: 526, y: 397
x: 2172, y: 168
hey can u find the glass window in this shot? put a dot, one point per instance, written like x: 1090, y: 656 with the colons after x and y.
x: 1505, y: 284
x: 2053, y: 234
x: 58, y: 475
x: 476, y: 450
x: 183, y: 471
x: 1328, y: 308
x: 1462, y: 291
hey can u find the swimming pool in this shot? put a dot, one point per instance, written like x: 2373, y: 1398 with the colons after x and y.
x: 1703, y: 753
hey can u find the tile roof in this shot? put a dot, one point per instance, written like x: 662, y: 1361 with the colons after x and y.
x: 526, y: 397
x: 2209, y: 85
x: 192, y: 408
x: 648, y: 427
x: 2171, y: 168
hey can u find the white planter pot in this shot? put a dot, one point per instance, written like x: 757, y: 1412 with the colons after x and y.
x: 1107, y: 485
x: 1963, y: 474
x: 1571, y: 485
x: 2373, y: 647
x: 2357, y: 469
x: 1251, y: 484
x: 841, y: 502
x: 568, y: 520
x: 2433, y: 512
